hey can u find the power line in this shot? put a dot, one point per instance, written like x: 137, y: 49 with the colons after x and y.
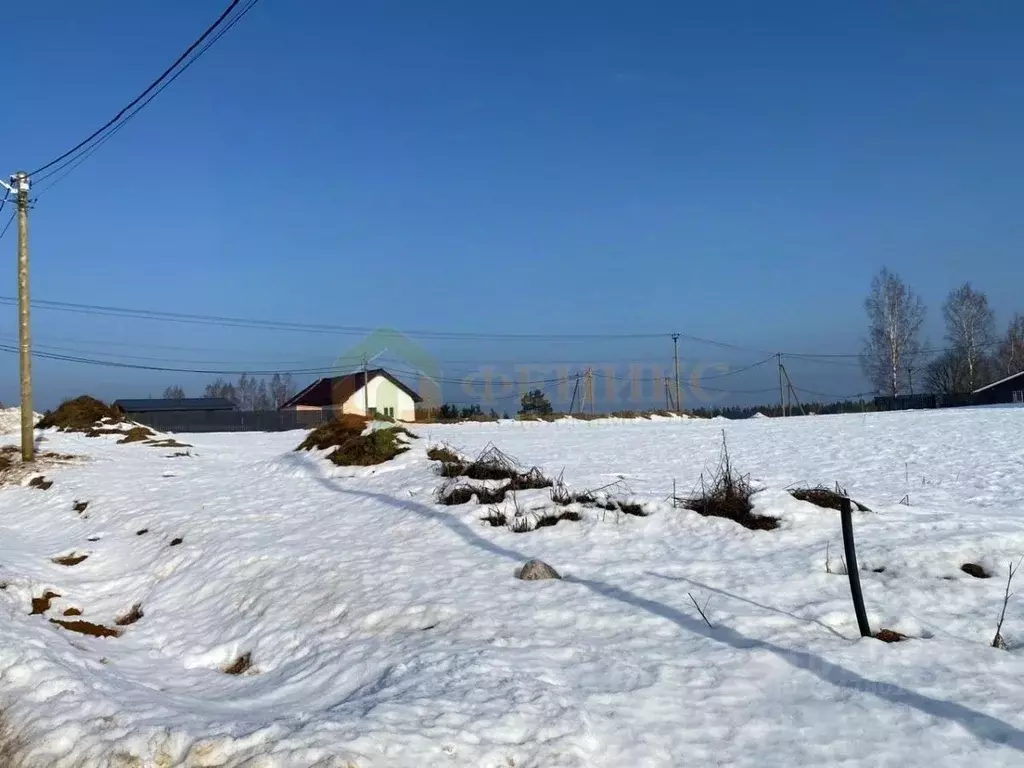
x: 150, y: 88
x: 236, y: 322
x: 6, y: 227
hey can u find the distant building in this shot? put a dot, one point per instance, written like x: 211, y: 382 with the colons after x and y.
x: 1008, y: 390
x: 383, y: 394
x: 165, y: 405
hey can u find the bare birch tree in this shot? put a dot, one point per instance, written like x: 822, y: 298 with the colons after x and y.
x: 895, y: 316
x: 971, y: 330
x: 1011, y: 348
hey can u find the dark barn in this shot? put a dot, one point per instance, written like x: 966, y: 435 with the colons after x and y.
x: 1008, y: 390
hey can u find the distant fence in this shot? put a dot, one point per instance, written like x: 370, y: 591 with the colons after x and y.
x: 919, y: 402
x: 233, y: 421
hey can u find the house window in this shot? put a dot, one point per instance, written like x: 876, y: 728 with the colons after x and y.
x: 373, y: 411
x: 1018, y: 396
x: 390, y: 412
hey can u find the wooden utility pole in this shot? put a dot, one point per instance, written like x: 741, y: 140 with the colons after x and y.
x: 575, y: 389
x: 782, y: 396
x: 589, y: 391
x: 28, y: 448
x: 675, y: 355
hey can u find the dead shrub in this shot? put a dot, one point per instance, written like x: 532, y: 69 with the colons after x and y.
x: 825, y: 498
x: 79, y: 415
x: 170, y: 442
x: 80, y: 506
x: 136, y: 435
x: 975, y: 570
x: 176, y: 541
x: 41, y: 483
x: 727, y: 494
x: 73, y: 612
x: 493, y: 464
x: 597, y: 497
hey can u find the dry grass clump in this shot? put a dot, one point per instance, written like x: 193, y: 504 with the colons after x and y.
x: 597, y: 497
x: 493, y: 464
x: 826, y: 498
x: 41, y: 604
x: 374, y: 448
x: 137, y: 435
x: 444, y: 454
x: 79, y: 414
x: 333, y: 433
x: 727, y: 494
x: 463, y: 493
x: 351, y: 447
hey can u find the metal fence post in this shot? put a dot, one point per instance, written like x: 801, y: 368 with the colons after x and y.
x: 846, y: 514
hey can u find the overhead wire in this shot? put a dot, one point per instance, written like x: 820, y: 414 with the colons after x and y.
x: 74, y: 162
x: 152, y: 86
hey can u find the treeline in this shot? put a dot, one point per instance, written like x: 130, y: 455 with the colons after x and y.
x: 898, y: 361
x: 249, y: 393
x: 746, y: 411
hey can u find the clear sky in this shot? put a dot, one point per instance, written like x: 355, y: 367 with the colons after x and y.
x: 736, y: 171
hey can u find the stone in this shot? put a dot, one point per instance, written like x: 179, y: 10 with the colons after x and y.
x: 535, y: 570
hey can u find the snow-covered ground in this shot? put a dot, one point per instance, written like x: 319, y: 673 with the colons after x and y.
x: 386, y: 630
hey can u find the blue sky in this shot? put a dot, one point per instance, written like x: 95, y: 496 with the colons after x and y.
x: 736, y: 171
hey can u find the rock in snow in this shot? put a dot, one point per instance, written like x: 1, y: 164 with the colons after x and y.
x: 535, y: 570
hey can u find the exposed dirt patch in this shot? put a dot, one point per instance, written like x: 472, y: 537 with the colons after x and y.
x: 826, y: 498
x: 142, y: 532
x: 73, y: 559
x: 176, y: 541
x: 42, y: 604
x: 137, y: 435
x: 80, y: 506
x: 41, y: 483
x: 890, y: 636
x: 73, y: 612
x: 240, y: 665
x: 975, y: 570
x: 79, y: 415
x: 134, y: 614
x: 87, y: 628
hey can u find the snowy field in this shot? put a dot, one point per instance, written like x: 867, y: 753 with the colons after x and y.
x: 384, y: 629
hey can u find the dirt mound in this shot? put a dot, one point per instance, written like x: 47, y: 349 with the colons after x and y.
x: 79, y: 415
